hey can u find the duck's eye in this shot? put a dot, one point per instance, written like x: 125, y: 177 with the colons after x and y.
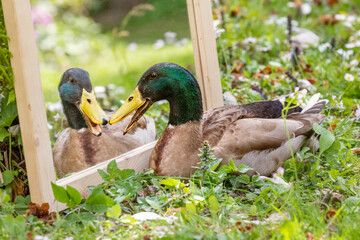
x: 88, y: 100
x: 130, y: 98
x: 71, y: 80
x: 153, y: 75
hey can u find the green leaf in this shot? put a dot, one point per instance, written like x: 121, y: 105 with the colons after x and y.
x: 318, y: 129
x: 170, y: 182
x: 60, y: 193
x: 3, y: 134
x: 106, y: 177
x: 8, y: 113
x: 95, y: 191
x: 21, y: 203
x: 126, y: 173
x: 215, y: 164
x: 114, y: 211
x: 245, y: 179
x: 186, y: 190
x: 352, y: 205
x: 326, y: 140
x: 4, y: 196
x: 128, y: 219
x: 213, y: 203
x: 153, y: 204
x: 334, y: 174
x: 99, y: 203
x: 74, y: 195
x: 11, y: 96
x: 112, y: 169
x: 190, y: 207
x: 254, y: 95
x: 243, y: 168
x: 8, y: 176
x: 232, y: 165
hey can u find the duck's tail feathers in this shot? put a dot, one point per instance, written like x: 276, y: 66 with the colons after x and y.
x: 314, y: 105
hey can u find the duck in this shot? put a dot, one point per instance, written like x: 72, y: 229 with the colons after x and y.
x: 89, y: 139
x: 251, y: 134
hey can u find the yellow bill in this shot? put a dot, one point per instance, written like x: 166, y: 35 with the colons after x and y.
x: 133, y: 102
x: 94, y: 115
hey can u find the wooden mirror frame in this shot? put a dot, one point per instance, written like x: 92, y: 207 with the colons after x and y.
x: 31, y: 106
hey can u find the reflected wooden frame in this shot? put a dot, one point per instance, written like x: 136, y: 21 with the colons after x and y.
x: 31, y: 106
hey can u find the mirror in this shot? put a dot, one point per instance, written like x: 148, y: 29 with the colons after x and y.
x: 115, y: 41
x: 31, y: 104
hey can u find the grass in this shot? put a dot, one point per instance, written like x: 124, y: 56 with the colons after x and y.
x: 320, y: 195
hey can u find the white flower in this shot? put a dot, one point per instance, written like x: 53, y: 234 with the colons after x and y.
x: 345, y: 54
x: 357, y: 112
x: 263, y: 49
x: 340, y: 17
x: 350, y: 45
x: 305, y: 38
x: 304, y: 83
x: 349, y: 77
x: 170, y: 37
x: 229, y: 99
x: 291, y: 5
x: 159, y: 44
x: 218, y: 31
x: 274, y: 64
x: 250, y: 40
x: 39, y: 237
x: 216, y: 23
x: 54, y: 107
x: 280, y: 171
x: 349, y: 21
x: 341, y: 104
x: 286, y: 57
x: 333, y: 97
x: 57, y: 117
x: 132, y: 46
x: 182, y: 42
x: 282, y: 99
x: 305, y: 9
x: 100, y: 91
x: 354, y: 63
x: 324, y: 46
x: 351, y: 18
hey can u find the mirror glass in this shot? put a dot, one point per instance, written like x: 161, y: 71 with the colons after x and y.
x: 115, y: 41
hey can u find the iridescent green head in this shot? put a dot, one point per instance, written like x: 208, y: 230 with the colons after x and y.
x: 164, y: 81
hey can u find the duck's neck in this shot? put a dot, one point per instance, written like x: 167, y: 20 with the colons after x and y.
x: 185, y: 103
x: 73, y: 116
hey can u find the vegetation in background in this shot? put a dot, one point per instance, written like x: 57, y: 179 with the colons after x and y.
x: 13, y: 177
x: 316, y: 195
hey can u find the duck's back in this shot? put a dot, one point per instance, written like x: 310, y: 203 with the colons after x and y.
x: 218, y: 120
